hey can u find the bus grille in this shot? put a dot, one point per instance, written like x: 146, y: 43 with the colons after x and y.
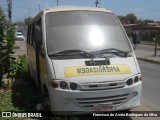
x: 90, y: 102
x: 101, y: 86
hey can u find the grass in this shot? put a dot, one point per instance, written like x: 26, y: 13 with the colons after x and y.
x: 147, y: 43
x: 22, y: 96
x: 24, y: 62
x: 6, y: 101
x: 24, y: 68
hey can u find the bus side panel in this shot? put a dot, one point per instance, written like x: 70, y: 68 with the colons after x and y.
x: 43, y: 72
x: 32, y: 61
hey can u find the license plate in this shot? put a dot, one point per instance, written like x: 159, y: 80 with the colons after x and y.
x: 103, y: 107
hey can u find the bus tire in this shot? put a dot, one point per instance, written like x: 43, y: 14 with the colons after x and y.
x: 46, y: 102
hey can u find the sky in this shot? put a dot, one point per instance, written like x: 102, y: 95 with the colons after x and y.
x: 143, y: 9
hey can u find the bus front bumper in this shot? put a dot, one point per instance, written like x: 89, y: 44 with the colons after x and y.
x: 80, y: 102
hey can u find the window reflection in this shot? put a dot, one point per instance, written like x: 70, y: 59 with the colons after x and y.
x: 96, y: 37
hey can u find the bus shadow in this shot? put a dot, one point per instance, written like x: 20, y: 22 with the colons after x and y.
x: 25, y: 96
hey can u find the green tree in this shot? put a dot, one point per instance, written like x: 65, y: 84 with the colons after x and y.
x: 8, y: 63
x: 121, y: 17
x: 2, y: 19
x: 27, y: 21
x: 132, y: 18
x: 147, y: 21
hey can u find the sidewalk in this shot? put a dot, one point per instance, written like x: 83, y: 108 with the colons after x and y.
x: 148, y: 56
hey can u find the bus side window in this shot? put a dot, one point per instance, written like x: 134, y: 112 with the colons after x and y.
x: 38, y: 33
x: 38, y: 36
x: 28, y: 35
x: 31, y: 35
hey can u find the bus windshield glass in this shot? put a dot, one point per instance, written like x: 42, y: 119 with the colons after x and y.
x: 84, y: 30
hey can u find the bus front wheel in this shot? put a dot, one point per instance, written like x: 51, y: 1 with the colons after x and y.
x: 46, y: 102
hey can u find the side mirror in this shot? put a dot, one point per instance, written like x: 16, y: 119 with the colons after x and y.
x: 37, y: 35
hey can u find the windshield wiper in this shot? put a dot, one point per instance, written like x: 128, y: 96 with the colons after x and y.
x: 111, y: 50
x: 72, y: 53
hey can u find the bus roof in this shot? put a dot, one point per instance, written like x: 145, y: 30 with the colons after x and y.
x: 69, y: 8
x: 73, y: 8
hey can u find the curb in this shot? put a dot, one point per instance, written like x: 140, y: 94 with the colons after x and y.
x: 147, y: 60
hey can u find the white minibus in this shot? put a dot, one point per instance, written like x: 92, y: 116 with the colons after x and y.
x: 82, y: 60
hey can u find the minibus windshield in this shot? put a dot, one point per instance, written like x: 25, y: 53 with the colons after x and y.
x: 84, y: 30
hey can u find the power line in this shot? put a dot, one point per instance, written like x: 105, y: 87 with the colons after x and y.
x: 24, y: 7
x: 147, y: 12
x: 97, y: 2
x: 39, y: 6
x: 29, y: 12
x: 57, y: 2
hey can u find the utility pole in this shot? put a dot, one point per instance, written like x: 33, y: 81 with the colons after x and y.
x: 39, y: 7
x: 9, y: 2
x: 29, y: 12
x: 57, y: 2
x: 97, y: 2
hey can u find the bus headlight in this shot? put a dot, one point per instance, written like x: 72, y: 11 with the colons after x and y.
x: 129, y: 82
x: 63, y: 85
x: 136, y: 79
x: 73, y: 86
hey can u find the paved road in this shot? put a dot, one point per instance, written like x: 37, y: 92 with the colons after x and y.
x: 145, y: 47
x: 23, y: 49
x: 21, y: 44
x: 150, y: 99
x: 151, y: 85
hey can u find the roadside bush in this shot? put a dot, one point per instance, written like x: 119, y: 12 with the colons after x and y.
x: 24, y: 71
x: 8, y: 63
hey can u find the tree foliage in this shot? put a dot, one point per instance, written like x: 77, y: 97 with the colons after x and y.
x: 2, y: 20
x: 27, y: 21
x: 146, y: 35
x: 147, y: 21
x: 121, y: 17
x: 132, y: 18
x: 8, y: 63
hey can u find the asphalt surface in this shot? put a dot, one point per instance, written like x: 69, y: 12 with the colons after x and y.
x: 23, y: 48
x: 145, y: 47
x: 151, y: 85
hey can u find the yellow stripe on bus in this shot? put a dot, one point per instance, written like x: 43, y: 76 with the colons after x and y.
x: 96, y: 70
